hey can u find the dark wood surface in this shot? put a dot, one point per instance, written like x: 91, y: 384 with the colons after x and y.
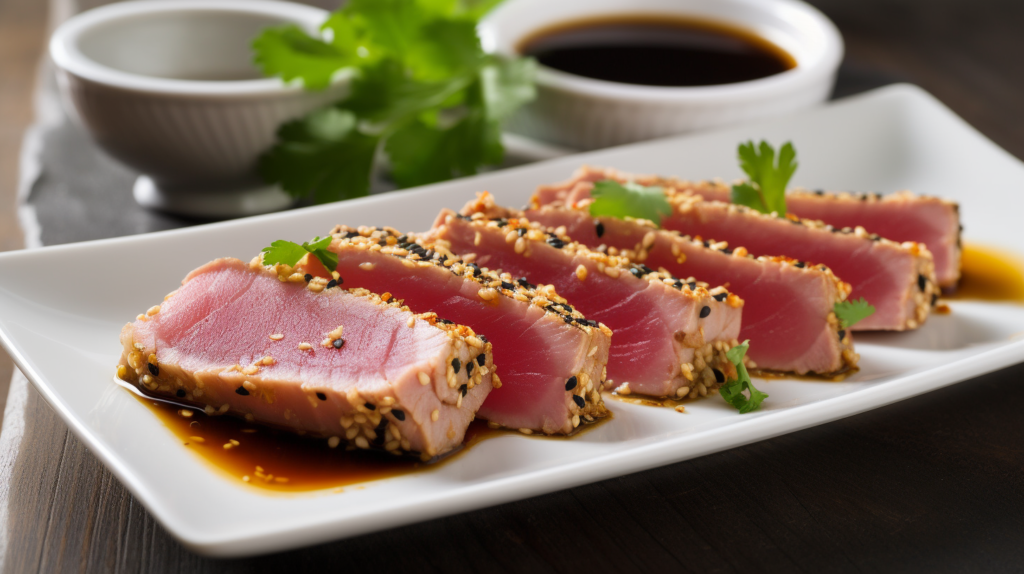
x: 931, y: 484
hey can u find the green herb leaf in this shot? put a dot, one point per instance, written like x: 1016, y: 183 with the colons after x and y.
x: 766, y: 190
x: 732, y: 391
x: 292, y: 54
x: 321, y: 156
x: 850, y: 313
x: 629, y: 200
x: 288, y: 253
x: 422, y: 90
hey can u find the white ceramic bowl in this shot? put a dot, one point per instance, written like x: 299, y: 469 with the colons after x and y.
x: 585, y: 113
x: 169, y: 88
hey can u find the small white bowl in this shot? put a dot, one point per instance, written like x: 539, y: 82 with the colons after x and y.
x: 169, y: 88
x: 586, y: 113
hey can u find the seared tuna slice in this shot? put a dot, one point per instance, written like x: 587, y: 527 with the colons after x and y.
x: 552, y: 359
x: 670, y: 336
x: 897, y: 278
x: 262, y: 343
x: 902, y: 216
x: 788, y: 306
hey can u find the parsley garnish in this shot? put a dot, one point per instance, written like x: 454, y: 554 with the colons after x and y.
x: 732, y: 391
x: 766, y: 189
x: 423, y: 93
x: 288, y: 253
x: 851, y: 312
x: 629, y: 200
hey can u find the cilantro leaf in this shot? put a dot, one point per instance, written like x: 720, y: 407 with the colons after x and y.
x: 629, y: 200
x: 289, y: 253
x: 732, y: 391
x: 422, y: 90
x: 766, y: 189
x: 289, y: 52
x: 321, y: 156
x: 850, y: 313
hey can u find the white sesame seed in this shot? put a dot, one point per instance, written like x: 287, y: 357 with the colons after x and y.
x: 276, y: 337
x: 520, y: 245
x: 366, y: 266
x: 305, y: 346
x: 411, y: 322
x: 361, y: 442
x: 153, y: 310
x: 581, y: 272
x: 333, y: 442
x: 424, y: 378
x: 435, y: 415
x: 198, y: 439
x: 526, y: 431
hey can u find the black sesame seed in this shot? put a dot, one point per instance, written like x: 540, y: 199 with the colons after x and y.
x: 383, y: 242
x: 400, y: 415
x: 678, y: 284
x: 719, y: 375
x: 721, y: 296
x: 456, y: 365
x: 819, y: 192
x: 592, y: 323
x: 370, y: 406
x: 481, y: 359
x: 568, y: 319
x: 579, y: 401
x: 521, y: 231
x: 692, y: 285
x: 508, y: 286
x: 445, y: 321
x: 340, y: 280
x: 403, y: 238
x: 242, y: 391
x: 153, y: 369
x: 635, y: 271
x: 705, y: 311
x: 429, y: 254
x: 180, y: 393
x: 842, y: 334
x: 522, y: 281
x: 556, y: 242
x: 935, y: 297
x: 383, y: 423
x: 799, y: 265
x: 922, y: 282
x: 599, y: 228
x: 707, y: 243
x: 796, y: 222
x: 469, y: 368
x: 332, y: 283
x: 571, y: 383
x: 484, y: 339
x: 464, y: 217
x: 321, y: 396
x: 464, y: 389
x: 338, y: 343
x: 308, y: 277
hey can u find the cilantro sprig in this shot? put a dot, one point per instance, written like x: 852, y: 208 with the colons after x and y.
x: 732, y: 391
x: 629, y: 199
x: 423, y: 94
x: 850, y: 313
x: 289, y: 253
x: 765, y: 191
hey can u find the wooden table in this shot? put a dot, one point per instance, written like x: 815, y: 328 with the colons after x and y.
x: 929, y: 484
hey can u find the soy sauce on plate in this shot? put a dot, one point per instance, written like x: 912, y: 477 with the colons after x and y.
x: 657, y: 51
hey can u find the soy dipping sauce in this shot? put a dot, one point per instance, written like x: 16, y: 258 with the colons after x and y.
x: 657, y: 51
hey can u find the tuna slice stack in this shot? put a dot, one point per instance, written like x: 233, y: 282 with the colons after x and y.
x: 670, y: 336
x: 897, y: 278
x: 901, y: 216
x: 552, y: 359
x: 788, y: 306
x: 265, y: 344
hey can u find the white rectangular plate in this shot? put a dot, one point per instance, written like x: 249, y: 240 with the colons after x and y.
x: 61, y: 310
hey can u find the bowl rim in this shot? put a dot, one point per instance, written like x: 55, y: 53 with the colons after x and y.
x: 803, y: 74
x: 64, y: 52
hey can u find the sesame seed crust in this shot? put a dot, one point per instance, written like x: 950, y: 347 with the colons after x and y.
x: 420, y: 252
x: 391, y: 416
x: 683, y: 296
x: 693, y: 198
